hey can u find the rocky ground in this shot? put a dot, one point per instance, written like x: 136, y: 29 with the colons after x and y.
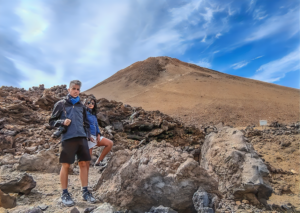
x: 156, y: 160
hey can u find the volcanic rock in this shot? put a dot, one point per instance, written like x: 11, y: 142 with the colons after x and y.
x: 161, y: 209
x: 104, y: 208
x: 23, y: 185
x: 236, y: 166
x: 205, y: 202
x: 157, y: 174
x: 44, y: 161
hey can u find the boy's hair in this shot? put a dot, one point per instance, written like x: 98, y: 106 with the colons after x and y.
x: 75, y: 82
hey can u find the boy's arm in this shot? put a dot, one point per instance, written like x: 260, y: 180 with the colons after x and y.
x: 54, y: 120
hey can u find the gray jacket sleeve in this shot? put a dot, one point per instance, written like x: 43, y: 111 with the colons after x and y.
x: 55, y: 120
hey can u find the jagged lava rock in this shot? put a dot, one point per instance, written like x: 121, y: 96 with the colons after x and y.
x: 239, y: 170
x: 22, y: 185
x: 44, y: 161
x: 157, y: 174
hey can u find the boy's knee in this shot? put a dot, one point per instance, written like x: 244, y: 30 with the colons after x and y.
x: 82, y: 163
x: 65, y: 165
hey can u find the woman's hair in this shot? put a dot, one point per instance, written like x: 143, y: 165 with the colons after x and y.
x: 95, y: 109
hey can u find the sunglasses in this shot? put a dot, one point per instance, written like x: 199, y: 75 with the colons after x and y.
x: 90, y: 102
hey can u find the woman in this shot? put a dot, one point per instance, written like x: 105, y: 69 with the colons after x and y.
x: 96, y: 139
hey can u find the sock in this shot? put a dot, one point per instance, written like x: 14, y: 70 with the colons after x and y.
x: 65, y: 191
x: 84, y: 189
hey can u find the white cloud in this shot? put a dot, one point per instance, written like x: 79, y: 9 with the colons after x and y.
x: 259, y: 14
x: 203, y: 63
x: 239, y: 65
x: 258, y: 57
x: 218, y: 35
x: 204, y: 38
x: 276, y: 70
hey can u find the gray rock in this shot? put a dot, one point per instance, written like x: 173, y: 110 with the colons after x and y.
x: 43, y: 207
x: 161, y: 209
x: 45, y: 161
x: 233, y: 162
x: 104, y: 208
x: 22, y: 185
x: 118, y: 126
x: 74, y: 210
x: 34, y: 210
x: 88, y: 210
x: 205, y: 202
x: 152, y: 176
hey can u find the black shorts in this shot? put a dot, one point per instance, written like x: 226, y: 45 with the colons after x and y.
x: 72, y: 147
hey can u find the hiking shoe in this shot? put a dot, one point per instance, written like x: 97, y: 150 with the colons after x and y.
x: 101, y: 164
x: 87, y: 196
x: 67, y: 200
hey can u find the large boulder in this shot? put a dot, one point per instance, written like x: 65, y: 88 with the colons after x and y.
x: 22, y: 185
x: 157, y: 174
x: 7, y: 201
x: 44, y: 161
x: 232, y: 161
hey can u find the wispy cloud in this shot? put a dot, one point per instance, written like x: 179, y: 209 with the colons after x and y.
x: 218, y: 35
x: 276, y: 70
x: 203, y: 63
x: 287, y: 23
x: 259, y: 14
x: 251, y: 6
x: 258, y: 57
x: 239, y: 65
x: 243, y: 63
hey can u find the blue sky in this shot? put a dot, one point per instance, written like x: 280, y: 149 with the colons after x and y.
x: 54, y: 41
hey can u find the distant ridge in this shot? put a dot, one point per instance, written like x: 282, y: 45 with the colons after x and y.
x: 198, y: 95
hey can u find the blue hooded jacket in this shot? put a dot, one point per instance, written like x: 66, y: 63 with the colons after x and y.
x: 94, y: 129
x: 73, y: 109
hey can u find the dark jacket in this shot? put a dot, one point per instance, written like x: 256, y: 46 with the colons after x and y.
x: 79, y: 126
x: 94, y: 128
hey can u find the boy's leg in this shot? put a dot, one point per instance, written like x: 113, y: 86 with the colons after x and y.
x: 64, y: 172
x: 84, y: 157
x: 88, y: 162
x: 83, y: 173
x: 108, y: 145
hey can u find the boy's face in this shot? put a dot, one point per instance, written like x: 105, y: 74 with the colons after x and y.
x: 74, y: 90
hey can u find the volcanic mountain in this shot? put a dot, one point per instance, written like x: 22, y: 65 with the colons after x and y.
x: 198, y: 95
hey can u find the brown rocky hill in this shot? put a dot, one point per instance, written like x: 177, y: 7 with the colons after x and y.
x: 197, y: 95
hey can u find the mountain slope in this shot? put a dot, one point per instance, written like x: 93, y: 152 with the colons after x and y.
x: 199, y: 95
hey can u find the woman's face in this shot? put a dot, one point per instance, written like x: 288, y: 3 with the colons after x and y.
x: 91, y: 104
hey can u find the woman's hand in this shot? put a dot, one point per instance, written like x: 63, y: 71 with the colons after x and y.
x: 92, y: 139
